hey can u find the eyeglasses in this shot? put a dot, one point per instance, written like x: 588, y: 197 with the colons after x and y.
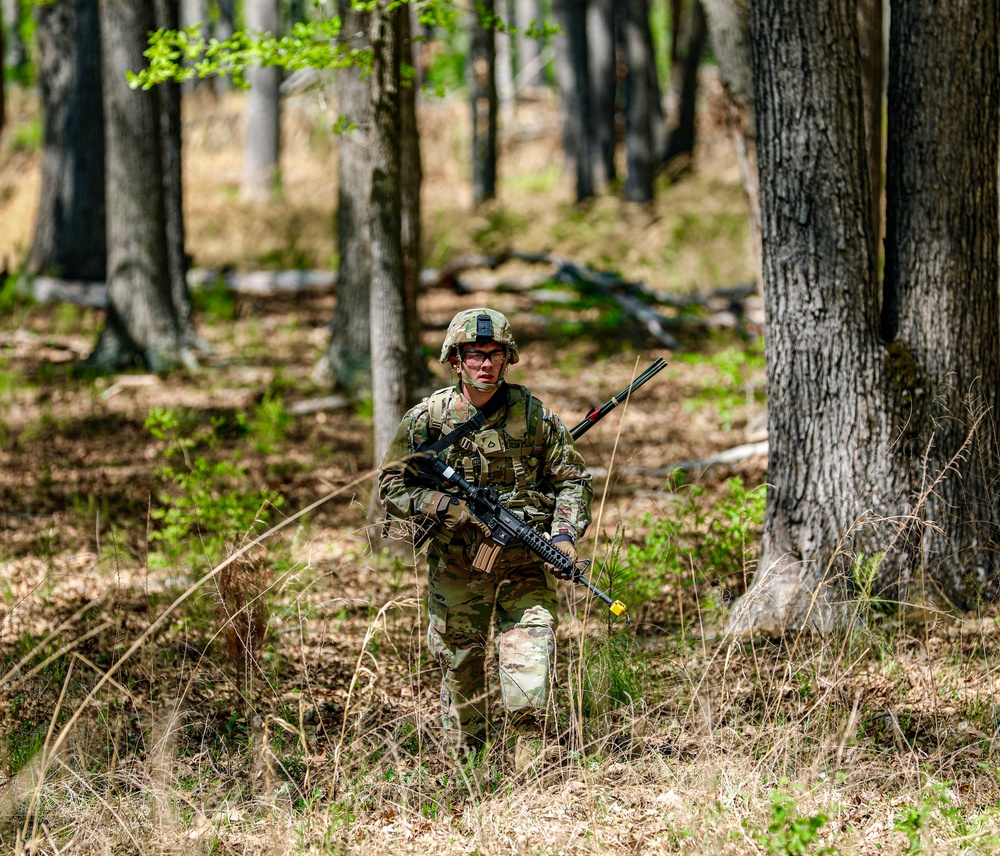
x: 477, y: 358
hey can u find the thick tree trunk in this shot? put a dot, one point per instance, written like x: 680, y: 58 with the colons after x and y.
x: 388, y: 308
x: 69, y: 225
x: 143, y: 322
x: 641, y: 105
x: 261, y: 149
x: 872, y: 47
x: 941, y: 313
x: 603, y: 88
x: 482, y: 59
x: 828, y: 427
x: 347, y: 362
x: 574, y: 85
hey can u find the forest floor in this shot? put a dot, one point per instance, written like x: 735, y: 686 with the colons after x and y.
x: 133, y: 724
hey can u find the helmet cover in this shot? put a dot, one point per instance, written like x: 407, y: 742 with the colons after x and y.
x: 471, y: 324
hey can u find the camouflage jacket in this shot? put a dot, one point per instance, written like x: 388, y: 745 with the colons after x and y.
x: 524, y: 451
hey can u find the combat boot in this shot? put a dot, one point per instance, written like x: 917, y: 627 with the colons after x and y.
x: 529, y: 743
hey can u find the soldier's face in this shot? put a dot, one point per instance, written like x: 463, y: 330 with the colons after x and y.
x: 484, y: 360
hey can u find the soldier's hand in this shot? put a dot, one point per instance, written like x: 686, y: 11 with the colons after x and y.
x: 566, y: 546
x: 454, y: 512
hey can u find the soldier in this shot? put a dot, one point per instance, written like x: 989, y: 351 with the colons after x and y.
x: 525, y: 452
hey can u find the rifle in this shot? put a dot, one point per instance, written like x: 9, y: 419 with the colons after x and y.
x: 504, y: 526
x: 598, y: 413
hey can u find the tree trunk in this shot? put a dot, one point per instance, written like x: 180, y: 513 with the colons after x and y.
x: 941, y: 313
x: 262, y: 146
x: 167, y: 17
x: 482, y: 59
x: 729, y: 32
x: 828, y: 427
x: 69, y: 225
x: 143, y: 323
x: 873, y: 87
x: 529, y: 48
x: 347, y: 362
x: 641, y: 105
x: 15, y: 52
x: 388, y: 309
x: 680, y: 140
x: 573, y: 77
x: 192, y: 12
x: 411, y: 180
x: 603, y: 88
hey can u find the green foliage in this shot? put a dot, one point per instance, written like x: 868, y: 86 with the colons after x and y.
x: 270, y: 422
x: 204, y: 502
x: 614, y: 673
x: 214, y: 301
x: 690, y: 537
x: 26, y: 136
x: 181, y: 55
x: 788, y: 832
x: 737, y: 371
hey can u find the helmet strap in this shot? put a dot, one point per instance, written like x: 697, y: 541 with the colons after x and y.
x: 475, y: 384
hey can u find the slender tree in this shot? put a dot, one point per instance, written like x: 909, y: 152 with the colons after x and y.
x: 603, y: 64
x: 388, y: 305
x: 681, y: 136
x: 527, y: 17
x: 346, y: 364
x: 482, y: 61
x: 69, y: 238
x: 642, y: 107
x: 573, y: 77
x: 262, y: 146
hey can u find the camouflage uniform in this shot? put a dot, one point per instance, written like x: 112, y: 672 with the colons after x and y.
x: 526, y: 453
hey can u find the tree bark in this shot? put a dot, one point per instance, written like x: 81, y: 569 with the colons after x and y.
x: 482, y: 59
x: 261, y: 151
x: 142, y: 322
x: 729, y: 32
x: 168, y: 17
x: 642, y: 103
x: 680, y: 140
x: 529, y: 49
x: 940, y: 312
x: 574, y: 85
x: 69, y: 239
x: 347, y: 362
x: 411, y: 181
x: 603, y: 87
x: 828, y: 427
x: 388, y: 308
x: 872, y: 47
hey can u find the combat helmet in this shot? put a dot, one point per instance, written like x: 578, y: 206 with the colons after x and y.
x: 471, y: 324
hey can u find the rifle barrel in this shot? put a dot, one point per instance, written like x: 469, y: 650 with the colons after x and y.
x: 598, y: 413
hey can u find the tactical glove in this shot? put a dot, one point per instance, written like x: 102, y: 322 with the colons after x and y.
x: 454, y: 512
x: 566, y: 545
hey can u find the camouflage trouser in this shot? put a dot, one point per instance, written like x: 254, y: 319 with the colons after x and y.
x: 517, y: 600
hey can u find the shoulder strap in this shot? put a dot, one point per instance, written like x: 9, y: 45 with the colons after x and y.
x: 476, y: 422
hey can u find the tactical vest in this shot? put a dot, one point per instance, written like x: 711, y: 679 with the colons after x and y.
x: 509, y: 458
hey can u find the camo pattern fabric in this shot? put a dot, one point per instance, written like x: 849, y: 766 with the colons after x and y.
x: 464, y: 328
x: 541, y: 477
x: 514, y: 607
